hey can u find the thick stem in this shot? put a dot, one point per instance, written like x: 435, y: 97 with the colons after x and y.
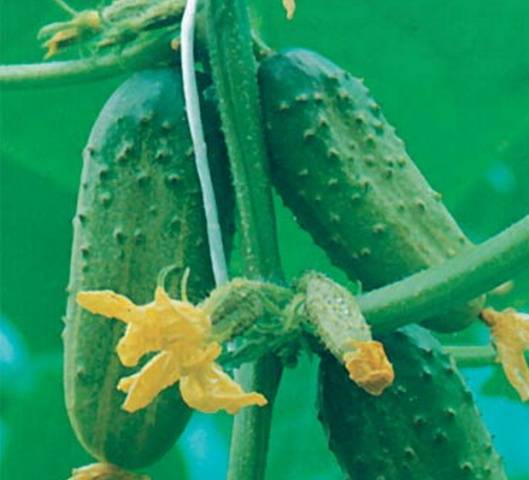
x: 148, y: 53
x: 456, y: 281
x: 234, y: 73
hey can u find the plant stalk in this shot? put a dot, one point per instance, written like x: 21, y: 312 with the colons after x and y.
x: 234, y: 71
x: 151, y: 52
x: 454, y: 282
x: 471, y: 355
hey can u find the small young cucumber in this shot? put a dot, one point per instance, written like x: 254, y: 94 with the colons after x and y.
x: 340, y: 167
x: 424, y: 427
x: 139, y: 210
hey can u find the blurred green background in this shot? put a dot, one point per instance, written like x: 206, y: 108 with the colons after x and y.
x: 452, y: 76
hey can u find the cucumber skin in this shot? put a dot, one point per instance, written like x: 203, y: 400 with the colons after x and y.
x: 339, y: 166
x: 424, y: 427
x: 139, y: 210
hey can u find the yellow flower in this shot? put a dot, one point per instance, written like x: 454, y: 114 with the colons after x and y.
x: 368, y: 366
x: 510, y: 331
x: 180, y: 332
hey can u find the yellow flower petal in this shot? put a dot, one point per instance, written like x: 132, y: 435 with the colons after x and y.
x: 368, y: 366
x: 510, y: 331
x: 56, y: 42
x: 290, y: 7
x: 196, y: 360
x: 108, y: 304
x: 142, y: 388
x: 87, y: 20
x: 211, y: 389
x: 104, y: 471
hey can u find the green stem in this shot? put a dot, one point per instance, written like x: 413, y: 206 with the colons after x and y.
x: 233, y: 68
x: 456, y: 281
x: 234, y: 72
x: 472, y: 356
x: 475, y: 356
x: 147, y: 53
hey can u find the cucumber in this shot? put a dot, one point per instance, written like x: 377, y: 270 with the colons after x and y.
x: 424, y: 427
x: 339, y: 166
x: 139, y: 210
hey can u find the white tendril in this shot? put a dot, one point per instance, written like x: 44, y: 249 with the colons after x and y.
x: 216, y: 249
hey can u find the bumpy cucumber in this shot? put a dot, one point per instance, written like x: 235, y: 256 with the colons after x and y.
x: 340, y: 167
x: 424, y: 427
x: 139, y: 210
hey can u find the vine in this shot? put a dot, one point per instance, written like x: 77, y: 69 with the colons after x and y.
x: 233, y: 68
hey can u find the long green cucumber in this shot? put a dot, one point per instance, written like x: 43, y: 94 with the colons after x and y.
x: 424, y: 427
x: 139, y: 210
x: 340, y: 167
